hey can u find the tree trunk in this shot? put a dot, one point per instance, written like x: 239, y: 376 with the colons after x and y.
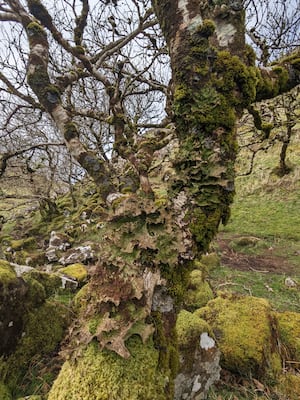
x: 123, y: 344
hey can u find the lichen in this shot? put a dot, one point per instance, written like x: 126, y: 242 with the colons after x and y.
x: 103, y: 375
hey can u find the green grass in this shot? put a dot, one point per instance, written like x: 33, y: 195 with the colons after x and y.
x: 259, y: 284
x: 264, y: 216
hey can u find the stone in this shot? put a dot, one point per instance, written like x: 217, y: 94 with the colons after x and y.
x: 199, y: 358
x: 80, y: 254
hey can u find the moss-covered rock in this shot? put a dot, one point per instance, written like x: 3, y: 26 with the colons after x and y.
x: 76, y: 271
x: 7, y: 273
x: 12, y: 307
x: 36, y: 294
x: 23, y: 244
x: 42, y: 332
x: 245, y: 331
x: 289, y: 333
x: 4, y: 392
x: 103, y: 375
x: 189, y: 328
x: 50, y: 282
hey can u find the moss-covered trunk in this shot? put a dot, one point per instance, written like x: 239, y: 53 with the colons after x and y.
x: 123, y: 344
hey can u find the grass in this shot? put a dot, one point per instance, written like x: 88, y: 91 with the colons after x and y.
x: 267, y: 285
x: 264, y: 227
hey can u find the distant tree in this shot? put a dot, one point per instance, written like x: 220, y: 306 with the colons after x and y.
x: 166, y: 179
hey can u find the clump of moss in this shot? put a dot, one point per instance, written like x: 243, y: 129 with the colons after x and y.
x: 7, y: 273
x: 23, y: 244
x: 43, y: 330
x: 289, y: 386
x: 210, y: 260
x: 81, y: 298
x: 103, y: 375
x: 289, y: 333
x: 4, y: 392
x: 198, y: 291
x: 244, y: 329
x: 36, y: 294
x: 50, y: 282
x: 189, y: 328
x: 76, y: 271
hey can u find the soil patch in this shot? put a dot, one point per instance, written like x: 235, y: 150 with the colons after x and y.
x: 264, y: 263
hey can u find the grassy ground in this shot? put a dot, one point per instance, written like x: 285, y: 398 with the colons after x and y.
x: 260, y: 249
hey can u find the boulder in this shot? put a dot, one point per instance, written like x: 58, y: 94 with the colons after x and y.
x: 246, y: 334
x: 80, y: 254
x: 13, y: 292
x: 199, y: 358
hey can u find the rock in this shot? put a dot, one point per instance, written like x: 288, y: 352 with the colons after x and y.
x: 245, y: 331
x: 12, y: 307
x: 162, y: 301
x: 51, y: 254
x: 57, y: 242
x: 290, y: 283
x: 80, y: 254
x: 75, y: 271
x: 199, y: 358
x: 21, y: 269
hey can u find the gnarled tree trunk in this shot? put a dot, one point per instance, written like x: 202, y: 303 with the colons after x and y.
x: 123, y: 345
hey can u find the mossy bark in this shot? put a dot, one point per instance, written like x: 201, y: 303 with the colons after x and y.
x: 150, y: 239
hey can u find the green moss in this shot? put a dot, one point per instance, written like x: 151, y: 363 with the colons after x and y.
x: 289, y: 386
x: 244, y: 331
x: 93, y: 324
x: 289, y: 333
x: 4, y: 392
x: 189, y: 328
x: 36, y: 294
x: 76, y: 271
x: 211, y: 260
x: 207, y: 28
x: 34, y: 29
x: 23, y: 244
x: 103, y: 375
x: 50, y: 282
x: 198, y: 291
x: 81, y: 298
x: 7, y: 273
x: 43, y: 330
